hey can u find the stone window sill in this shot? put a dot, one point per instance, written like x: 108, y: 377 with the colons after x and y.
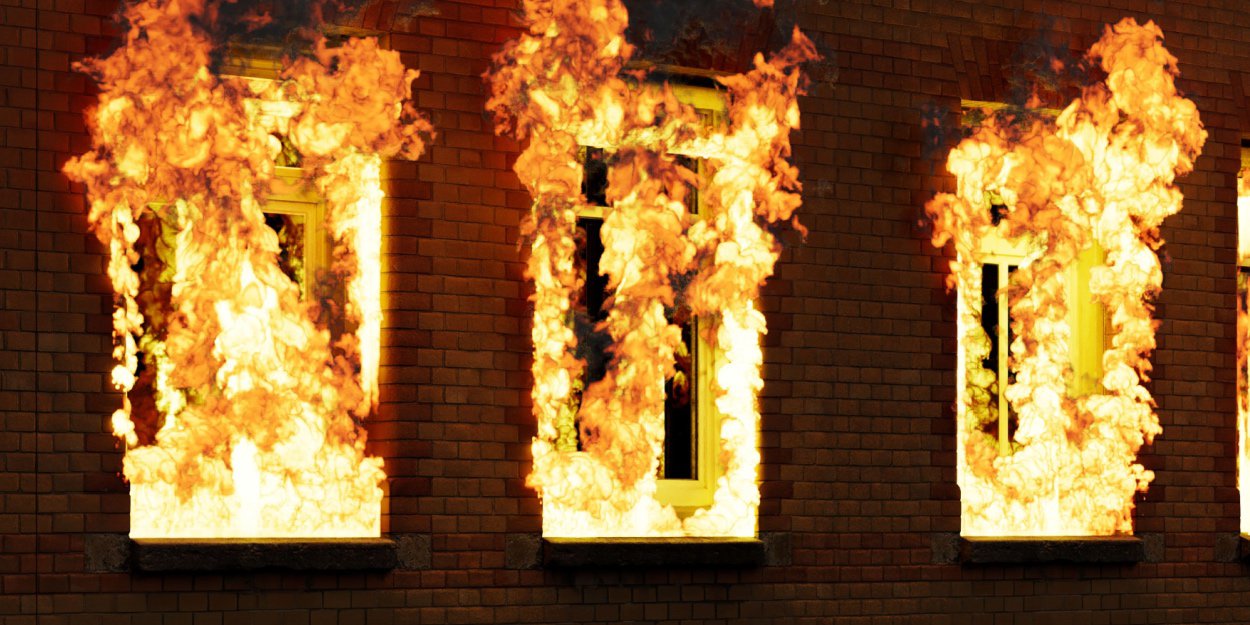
x: 530, y: 551
x: 120, y: 553
x: 955, y: 549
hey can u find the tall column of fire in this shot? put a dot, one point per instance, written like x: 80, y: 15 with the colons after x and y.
x: 1101, y: 174
x: 564, y: 84
x: 248, y: 416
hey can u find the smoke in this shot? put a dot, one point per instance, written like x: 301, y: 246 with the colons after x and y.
x: 284, y: 27
x: 711, y: 34
x: 1044, y: 71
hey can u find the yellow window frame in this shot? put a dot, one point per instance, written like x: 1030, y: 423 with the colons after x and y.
x: 307, y: 206
x: 1087, y: 320
x: 293, y: 197
x: 688, y: 495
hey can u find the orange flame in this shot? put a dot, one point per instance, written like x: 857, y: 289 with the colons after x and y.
x: 258, y: 391
x: 1243, y: 345
x: 1100, y: 176
x: 560, y: 86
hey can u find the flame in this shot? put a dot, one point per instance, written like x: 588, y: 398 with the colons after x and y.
x: 561, y: 86
x: 1243, y: 345
x: 257, y: 391
x: 1100, y: 176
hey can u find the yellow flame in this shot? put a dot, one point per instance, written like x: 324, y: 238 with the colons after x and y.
x: 1101, y: 175
x: 243, y: 419
x: 1243, y: 347
x: 560, y: 87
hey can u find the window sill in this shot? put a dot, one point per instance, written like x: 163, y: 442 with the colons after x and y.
x: 954, y: 549
x: 120, y: 553
x: 683, y: 552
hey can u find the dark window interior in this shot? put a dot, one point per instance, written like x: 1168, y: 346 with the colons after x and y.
x: 989, y: 322
x: 680, y: 460
x: 290, y: 230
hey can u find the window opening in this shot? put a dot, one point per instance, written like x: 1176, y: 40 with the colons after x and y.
x: 682, y: 458
x: 1073, y: 202
x: 566, y: 89
x: 243, y: 387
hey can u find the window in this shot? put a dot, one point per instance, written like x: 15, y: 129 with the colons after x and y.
x: 1084, y: 193
x: 986, y: 386
x: 647, y: 414
x: 568, y: 86
x: 260, y: 384
x: 1051, y: 409
x: 688, y: 469
x: 264, y: 441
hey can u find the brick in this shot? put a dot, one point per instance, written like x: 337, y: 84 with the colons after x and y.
x: 857, y: 432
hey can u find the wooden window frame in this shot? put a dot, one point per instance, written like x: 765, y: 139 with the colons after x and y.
x: 1086, y: 319
x: 688, y: 495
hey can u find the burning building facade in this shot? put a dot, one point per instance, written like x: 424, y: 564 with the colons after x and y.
x: 487, y: 400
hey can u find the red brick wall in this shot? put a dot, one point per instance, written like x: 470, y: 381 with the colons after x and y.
x: 858, y: 423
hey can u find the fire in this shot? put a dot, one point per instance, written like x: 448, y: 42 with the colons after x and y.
x: 1099, y: 177
x: 244, y: 386
x: 1243, y: 344
x: 563, y: 85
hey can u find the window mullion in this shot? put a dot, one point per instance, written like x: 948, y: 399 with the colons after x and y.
x: 1003, y: 332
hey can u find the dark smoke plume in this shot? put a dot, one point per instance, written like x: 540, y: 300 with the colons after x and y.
x: 279, y: 27
x: 720, y: 35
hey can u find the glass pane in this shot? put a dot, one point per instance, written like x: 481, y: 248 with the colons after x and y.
x: 291, y: 255
x: 692, y: 200
x: 680, y: 459
x: 595, y: 179
x: 989, y: 312
x: 1000, y: 335
x: 588, y: 307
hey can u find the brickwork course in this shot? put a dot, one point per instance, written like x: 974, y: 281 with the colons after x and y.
x: 858, y: 469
